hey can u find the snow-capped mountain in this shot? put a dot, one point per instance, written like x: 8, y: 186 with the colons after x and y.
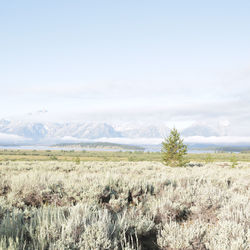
x: 24, y: 129
x: 50, y: 133
x: 82, y: 130
x: 88, y: 130
x: 200, y: 130
x: 146, y: 131
x: 42, y: 131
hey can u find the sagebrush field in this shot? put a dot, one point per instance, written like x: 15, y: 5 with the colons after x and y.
x: 123, y: 205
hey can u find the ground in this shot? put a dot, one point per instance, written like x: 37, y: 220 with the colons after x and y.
x: 123, y: 205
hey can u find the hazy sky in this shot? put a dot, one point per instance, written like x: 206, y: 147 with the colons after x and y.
x: 156, y: 61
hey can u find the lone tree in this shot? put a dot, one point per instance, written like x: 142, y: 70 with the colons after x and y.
x: 173, y: 150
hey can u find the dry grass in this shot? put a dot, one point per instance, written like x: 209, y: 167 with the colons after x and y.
x: 123, y: 205
x: 136, y: 156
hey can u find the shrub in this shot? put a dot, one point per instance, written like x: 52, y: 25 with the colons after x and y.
x: 209, y: 158
x: 234, y: 161
x: 77, y: 160
x: 53, y: 158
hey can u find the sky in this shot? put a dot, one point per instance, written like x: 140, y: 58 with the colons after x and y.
x: 172, y: 62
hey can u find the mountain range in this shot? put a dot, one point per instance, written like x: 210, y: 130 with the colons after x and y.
x: 16, y: 132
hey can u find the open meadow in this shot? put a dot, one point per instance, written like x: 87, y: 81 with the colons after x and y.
x: 132, y: 156
x: 123, y: 205
x: 124, y: 125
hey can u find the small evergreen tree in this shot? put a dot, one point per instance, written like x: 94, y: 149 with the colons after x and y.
x: 173, y: 150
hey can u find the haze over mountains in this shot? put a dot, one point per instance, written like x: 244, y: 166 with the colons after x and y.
x: 27, y: 132
x: 17, y: 132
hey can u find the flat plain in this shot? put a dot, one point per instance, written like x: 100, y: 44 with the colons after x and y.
x: 123, y: 205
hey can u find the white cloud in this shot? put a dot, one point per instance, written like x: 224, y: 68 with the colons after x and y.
x: 219, y: 139
x: 12, y: 139
x: 175, y: 98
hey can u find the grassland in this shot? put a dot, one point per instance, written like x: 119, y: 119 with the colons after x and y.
x: 122, y: 205
x: 134, y: 156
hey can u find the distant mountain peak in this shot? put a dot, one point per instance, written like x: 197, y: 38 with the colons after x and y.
x: 48, y: 132
x: 200, y: 129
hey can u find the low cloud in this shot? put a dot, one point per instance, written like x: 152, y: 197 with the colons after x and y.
x: 191, y: 139
x: 218, y: 139
x: 220, y: 97
x: 12, y: 139
x: 155, y: 141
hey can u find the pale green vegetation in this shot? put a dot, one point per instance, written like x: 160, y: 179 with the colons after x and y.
x: 99, y: 145
x: 135, y: 156
x: 174, y: 151
x: 77, y: 160
x: 233, y: 161
x: 209, y: 158
x: 123, y: 205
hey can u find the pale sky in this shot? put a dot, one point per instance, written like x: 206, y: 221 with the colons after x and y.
x: 176, y: 62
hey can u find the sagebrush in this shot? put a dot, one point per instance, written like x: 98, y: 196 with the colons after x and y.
x: 125, y: 205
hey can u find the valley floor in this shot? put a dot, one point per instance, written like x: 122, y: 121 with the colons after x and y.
x: 123, y: 205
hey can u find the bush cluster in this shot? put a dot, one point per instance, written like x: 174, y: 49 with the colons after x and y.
x: 126, y: 205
